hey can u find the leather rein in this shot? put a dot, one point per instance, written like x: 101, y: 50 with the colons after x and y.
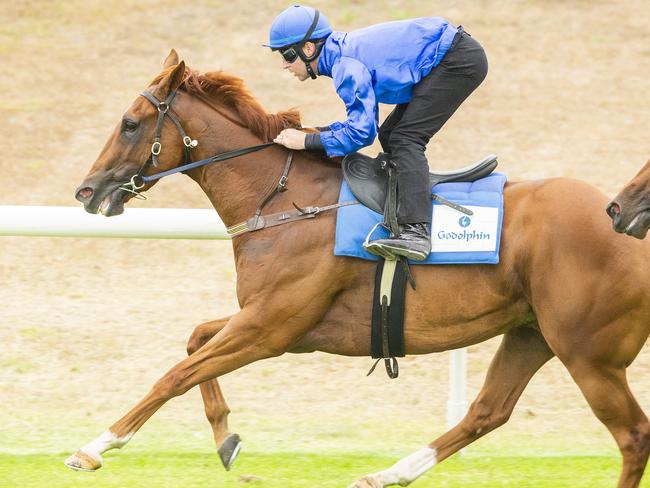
x: 257, y: 221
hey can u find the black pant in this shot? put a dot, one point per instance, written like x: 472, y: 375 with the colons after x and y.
x: 409, y: 127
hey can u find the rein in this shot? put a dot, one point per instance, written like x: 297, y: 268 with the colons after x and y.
x: 213, y: 159
x: 139, y: 180
x: 257, y: 222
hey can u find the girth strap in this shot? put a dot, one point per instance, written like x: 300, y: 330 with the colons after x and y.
x: 387, y: 332
x: 387, y: 326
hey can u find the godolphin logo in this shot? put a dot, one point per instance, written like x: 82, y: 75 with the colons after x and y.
x: 464, y: 221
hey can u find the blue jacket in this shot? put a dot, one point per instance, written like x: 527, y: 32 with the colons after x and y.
x: 378, y: 64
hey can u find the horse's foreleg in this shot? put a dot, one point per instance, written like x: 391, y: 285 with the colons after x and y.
x: 521, y: 353
x: 243, y: 340
x: 610, y: 398
x: 216, y: 409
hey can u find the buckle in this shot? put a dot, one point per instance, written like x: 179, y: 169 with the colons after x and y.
x: 282, y: 184
x: 189, y: 142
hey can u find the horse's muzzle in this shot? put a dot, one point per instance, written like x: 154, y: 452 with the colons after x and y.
x: 98, y: 198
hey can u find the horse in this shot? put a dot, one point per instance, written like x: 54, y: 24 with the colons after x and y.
x: 561, y: 287
x: 630, y: 209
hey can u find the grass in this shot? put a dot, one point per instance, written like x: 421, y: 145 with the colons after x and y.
x: 296, y: 469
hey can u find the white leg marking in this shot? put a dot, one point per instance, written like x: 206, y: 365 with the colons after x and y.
x: 103, y: 443
x: 408, y: 469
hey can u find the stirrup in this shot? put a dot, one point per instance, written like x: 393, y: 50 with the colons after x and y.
x: 377, y: 250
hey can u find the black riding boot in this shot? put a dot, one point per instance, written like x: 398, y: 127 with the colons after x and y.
x: 413, y: 242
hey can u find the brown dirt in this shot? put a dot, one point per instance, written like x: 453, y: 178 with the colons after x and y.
x: 88, y: 325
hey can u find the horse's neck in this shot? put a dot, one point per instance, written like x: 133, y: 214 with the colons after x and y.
x: 238, y: 186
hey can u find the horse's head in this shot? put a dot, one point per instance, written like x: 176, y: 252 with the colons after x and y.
x: 630, y: 209
x: 133, y: 146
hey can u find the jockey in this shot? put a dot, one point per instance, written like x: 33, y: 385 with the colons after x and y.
x: 426, y: 67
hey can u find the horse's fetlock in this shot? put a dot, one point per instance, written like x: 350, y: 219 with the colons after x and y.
x: 217, y: 416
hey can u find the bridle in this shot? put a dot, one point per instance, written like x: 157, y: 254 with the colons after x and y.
x: 257, y: 221
x: 139, y: 180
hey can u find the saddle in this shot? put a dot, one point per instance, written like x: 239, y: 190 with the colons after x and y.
x: 368, y: 180
x: 373, y: 181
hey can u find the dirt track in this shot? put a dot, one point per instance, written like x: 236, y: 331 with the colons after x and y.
x: 567, y: 94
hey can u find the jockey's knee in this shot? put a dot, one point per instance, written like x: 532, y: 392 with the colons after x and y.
x: 384, y: 140
x: 407, y: 142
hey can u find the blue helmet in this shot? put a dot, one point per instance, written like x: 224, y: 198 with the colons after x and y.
x: 293, y: 25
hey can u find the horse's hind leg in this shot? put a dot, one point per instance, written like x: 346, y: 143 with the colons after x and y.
x: 216, y: 408
x: 610, y: 398
x: 521, y: 353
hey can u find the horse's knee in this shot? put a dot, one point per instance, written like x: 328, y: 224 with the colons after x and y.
x: 483, y: 418
x: 199, y: 336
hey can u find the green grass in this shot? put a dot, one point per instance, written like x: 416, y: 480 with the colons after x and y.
x: 295, y: 469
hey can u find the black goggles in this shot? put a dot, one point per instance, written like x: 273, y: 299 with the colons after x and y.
x: 289, y: 53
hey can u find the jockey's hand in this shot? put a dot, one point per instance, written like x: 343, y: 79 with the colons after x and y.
x: 291, y: 138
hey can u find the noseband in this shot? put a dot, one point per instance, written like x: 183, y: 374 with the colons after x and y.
x: 139, y: 180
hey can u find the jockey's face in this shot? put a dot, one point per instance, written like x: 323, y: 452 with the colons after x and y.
x: 297, y: 67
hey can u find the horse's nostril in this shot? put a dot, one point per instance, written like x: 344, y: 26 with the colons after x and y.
x: 613, y: 209
x: 85, y: 193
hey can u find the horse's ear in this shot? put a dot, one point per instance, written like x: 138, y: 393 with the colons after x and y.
x: 171, y: 60
x: 172, y: 81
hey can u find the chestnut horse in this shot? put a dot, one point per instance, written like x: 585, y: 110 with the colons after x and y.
x: 561, y: 288
x: 630, y: 209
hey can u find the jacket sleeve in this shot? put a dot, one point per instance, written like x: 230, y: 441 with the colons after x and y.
x: 353, y: 84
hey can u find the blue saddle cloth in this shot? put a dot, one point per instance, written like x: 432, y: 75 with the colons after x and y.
x: 456, y: 237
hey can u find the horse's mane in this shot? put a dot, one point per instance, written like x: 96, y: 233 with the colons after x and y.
x: 219, y: 88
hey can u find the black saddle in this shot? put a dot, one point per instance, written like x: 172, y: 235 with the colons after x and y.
x: 369, y: 181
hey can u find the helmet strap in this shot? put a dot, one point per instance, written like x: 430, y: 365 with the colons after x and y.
x: 305, y: 59
x: 308, y: 59
x: 310, y: 70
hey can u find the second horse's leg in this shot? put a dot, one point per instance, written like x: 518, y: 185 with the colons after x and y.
x: 216, y: 408
x: 605, y: 388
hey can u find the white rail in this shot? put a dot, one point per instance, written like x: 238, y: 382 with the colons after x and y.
x: 152, y: 223
x: 170, y: 223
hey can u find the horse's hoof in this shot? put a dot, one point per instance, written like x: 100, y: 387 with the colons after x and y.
x: 80, y: 461
x: 229, y: 450
x: 367, y: 482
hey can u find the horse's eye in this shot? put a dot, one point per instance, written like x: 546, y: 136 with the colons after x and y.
x: 129, y: 125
